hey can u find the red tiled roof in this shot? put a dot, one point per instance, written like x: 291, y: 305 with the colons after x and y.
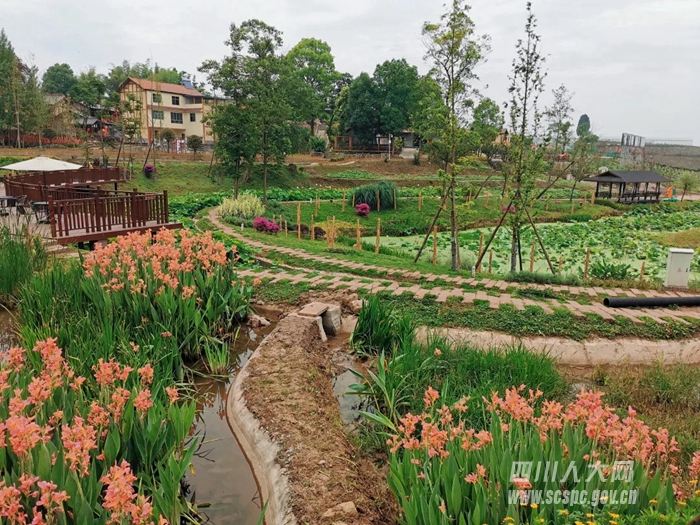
x: 163, y: 87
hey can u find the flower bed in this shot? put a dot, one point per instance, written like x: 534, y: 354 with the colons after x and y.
x: 69, y: 457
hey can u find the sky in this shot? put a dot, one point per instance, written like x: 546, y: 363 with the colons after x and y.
x: 632, y: 64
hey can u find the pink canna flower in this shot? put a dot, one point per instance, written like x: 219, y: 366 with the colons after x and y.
x: 119, y: 496
x: 431, y: 395
x: 78, y: 440
x: 143, y: 401
x: 173, y: 394
x: 146, y: 373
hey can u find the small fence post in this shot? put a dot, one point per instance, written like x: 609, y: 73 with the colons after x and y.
x: 394, y: 198
x: 379, y: 234
x: 353, y: 200
x: 481, y: 246
x: 299, y: 220
x: 313, y: 231
x: 379, y: 201
x: 488, y: 198
x: 572, y: 207
x: 420, y: 200
x: 546, y: 205
x: 532, y: 257
x: 588, y: 260
x: 434, y: 244
x: 166, y: 209
x: 641, y: 270
x: 469, y: 197
x: 490, y: 261
x: 358, y: 246
x: 561, y: 263
x: 286, y: 231
x: 593, y: 198
x: 344, y: 195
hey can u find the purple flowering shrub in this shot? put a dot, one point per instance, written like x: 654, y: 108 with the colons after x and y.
x: 362, y: 210
x: 262, y: 224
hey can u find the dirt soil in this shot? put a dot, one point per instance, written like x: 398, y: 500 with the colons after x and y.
x: 290, y: 391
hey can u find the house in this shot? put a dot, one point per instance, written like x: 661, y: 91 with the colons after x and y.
x: 62, y: 114
x: 178, y: 107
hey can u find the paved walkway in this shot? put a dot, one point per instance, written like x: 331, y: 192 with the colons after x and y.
x: 494, y: 290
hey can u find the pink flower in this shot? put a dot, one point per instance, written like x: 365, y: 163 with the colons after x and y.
x: 143, y: 401
x: 431, y: 395
x: 172, y: 394
x: 146, y: 373
x: 78, y: 440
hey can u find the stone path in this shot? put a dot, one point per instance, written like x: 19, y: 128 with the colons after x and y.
x: 494, y: 290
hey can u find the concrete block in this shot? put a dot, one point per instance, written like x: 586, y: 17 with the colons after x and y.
x: 332, y: 319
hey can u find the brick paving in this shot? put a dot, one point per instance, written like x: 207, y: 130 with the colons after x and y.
x: 354, y: 282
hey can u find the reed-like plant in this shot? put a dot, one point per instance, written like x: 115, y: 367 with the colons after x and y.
x: 380, y: 328
x: 21, y: 254
x: 367, y: 194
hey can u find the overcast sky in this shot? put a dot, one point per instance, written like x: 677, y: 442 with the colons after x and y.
x: 633, y: 64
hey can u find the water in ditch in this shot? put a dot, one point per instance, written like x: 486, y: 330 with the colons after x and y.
x: 221, y: 481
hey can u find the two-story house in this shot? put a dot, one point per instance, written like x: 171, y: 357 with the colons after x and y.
x: 178, y: 107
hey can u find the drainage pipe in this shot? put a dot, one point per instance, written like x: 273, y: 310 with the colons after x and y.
x: 627, y: 302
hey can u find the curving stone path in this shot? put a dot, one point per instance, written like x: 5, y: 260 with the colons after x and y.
x: 493, y: 292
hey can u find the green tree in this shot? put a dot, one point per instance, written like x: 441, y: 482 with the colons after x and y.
x: 194, y: 142
x: 58, y: 78
x: 429, y: 114
x: 8, y: 65
x: 455, y: 51
x: 89, y: 88
x: 361, y: 110
x: 584, y: 125
x: 168, y: 135
x: 119, y: 73
x: 584, y: 159
x: 396, y: 83
x: 254, y: 77
x: 488, y: 122
x: 35, y: 110
x: 526, y: 156
x: 312, y: 67
x: 688, y: 182
x: 559, y: 119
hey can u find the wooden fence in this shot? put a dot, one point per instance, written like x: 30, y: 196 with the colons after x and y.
x: 81, y: 177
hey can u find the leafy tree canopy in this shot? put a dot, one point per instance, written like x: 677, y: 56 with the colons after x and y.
x: 58, y: 78
x: 584, y: 125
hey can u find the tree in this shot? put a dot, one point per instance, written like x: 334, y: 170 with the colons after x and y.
x: 58, y: 78
x: 488, y: 122
x: 168, y: 135
x: 89, y: 88
x: 526, y: 158
x: 559, y: 119
x: 35, y: 110
x: 361, y: 111
x: 8, y: 66
x: 254, y: 77
x: 312, y: 66
x: 584, y: 125
x: 395, y: 82
x: 584, y: 159
x: 194, y: 142
x: 688, y: 182
x: 455, y: 51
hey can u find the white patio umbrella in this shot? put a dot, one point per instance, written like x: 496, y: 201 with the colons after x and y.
x: 41, y: 164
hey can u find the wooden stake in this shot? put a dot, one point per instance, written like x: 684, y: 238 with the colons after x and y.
x: 592, y: 198
x: 299, y: 220
x: 379, y: 234
x: 503, y: 200
x: 490, y: 261
x: 379, y: 202
x: 532, y: 257
x: 313, y: 231
x: 561, y: 263
x: 469, y: 197
x: 641, y: 270
x: 286, y: 232
x: 358, y: 246
x: 318, y: 205
x: 353, y: 200
x: 420, y: 201
x: 572, y: 207
x: 335, y: 233
x: 546, y: 205
x: 434, y: 244
x: 588, y: 260
x: 481, y: 245
x: 344, y: 194
x: 488, y: 197
x: 394, y: 198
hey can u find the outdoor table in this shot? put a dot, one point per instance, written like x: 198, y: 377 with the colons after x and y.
x: 5, y: 204
x: 41, y: 209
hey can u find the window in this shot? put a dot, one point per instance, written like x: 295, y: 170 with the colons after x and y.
x: 157, y: 115
x: 157, y: 98
x: 176, y: 118
x: 176, y: 101
x: 193, y: 117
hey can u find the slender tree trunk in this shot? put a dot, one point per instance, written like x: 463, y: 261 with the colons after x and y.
x: 265, y: 179
x: 573, y: 189
x: 513, y: 251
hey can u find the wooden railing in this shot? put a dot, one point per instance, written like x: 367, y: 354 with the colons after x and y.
x: 40, y: 193
x: 81, y: 177
x: 100, y: 214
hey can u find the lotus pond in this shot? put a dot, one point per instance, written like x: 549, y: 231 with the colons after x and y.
x: 631, y: 239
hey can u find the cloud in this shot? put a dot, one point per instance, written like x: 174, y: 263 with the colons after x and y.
x: 630, y: 62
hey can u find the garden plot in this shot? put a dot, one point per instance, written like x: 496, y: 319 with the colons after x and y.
x: 633, y: 239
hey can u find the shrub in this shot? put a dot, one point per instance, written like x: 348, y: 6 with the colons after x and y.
x: 195, y: 143
x: 262, y: 224
x: 368, y: 195
x: 317, y: 144
x: 362, y: 210
x: 609, y: 271
x: 442, y: 473
x: 246, y: 206
x: 149, y: 170
x: 74, y: 456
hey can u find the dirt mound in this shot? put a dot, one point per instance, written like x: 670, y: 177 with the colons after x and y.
x: 290, y: 391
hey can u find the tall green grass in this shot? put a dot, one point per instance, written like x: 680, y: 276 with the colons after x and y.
x: 20, y: 256
x: 380, y: 329
x: 368, y: 195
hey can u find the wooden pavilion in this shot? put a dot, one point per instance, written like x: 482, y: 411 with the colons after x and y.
x: 629, y: 187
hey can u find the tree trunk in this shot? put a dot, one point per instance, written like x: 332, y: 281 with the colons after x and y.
x: 264, y: 179
x: 573, y: 189
x: 513, y: 251
x: 683, y: 195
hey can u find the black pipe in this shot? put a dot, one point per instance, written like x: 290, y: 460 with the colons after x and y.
x: 627, y: 302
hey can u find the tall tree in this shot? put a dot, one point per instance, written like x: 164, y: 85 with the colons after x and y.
x: 455, y: 51
x: 488, y: 122
x: 312, y: 66
x: 584, y: 159
x: 119, y: 73
x: 362, y: 110
x: 396, y: 82
x: 253, y: 76
x: 34, y: 106
x: 89, y: 89
x: 526, y: 158
x: 584, y: 125
x: 8, y: 66
x: 559, y: 119
x: 58, y: 78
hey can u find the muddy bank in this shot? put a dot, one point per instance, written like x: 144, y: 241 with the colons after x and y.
x: 586, y: 353
x: 310, y: 471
